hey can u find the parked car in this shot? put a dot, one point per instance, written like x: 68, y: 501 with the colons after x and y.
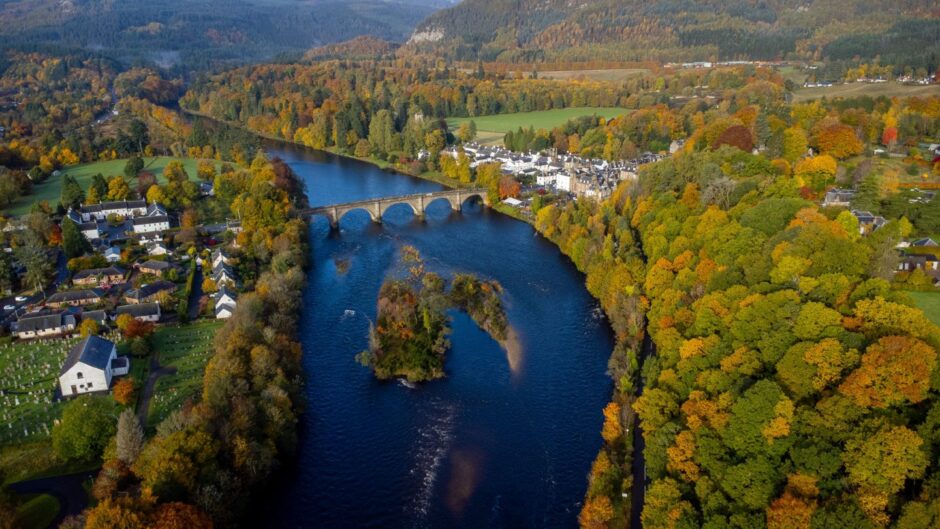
x: 21, y: 299
x: 8, y: 308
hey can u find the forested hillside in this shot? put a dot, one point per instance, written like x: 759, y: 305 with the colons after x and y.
x: 902, y: 32
x: 197, y: 33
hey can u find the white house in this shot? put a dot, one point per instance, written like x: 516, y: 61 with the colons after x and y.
x: 90, y: 366
x: 149, y: 312
x: 156, y: 224
x: 220, y: 256
x: 123, y: 208
x: 39, y: 326
x: 563, y: 181
x: 158, y: 248
x: 112, y: 254
x: 225, y: 303
x: 224, y: 275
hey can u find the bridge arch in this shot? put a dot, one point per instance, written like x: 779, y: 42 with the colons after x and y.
x: 417, y: 210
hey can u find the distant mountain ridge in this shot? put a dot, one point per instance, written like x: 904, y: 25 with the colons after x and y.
x: 204, y: 31
x: 625, y: 30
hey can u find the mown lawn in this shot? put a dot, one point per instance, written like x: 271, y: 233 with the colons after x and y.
x: 37, y: 511
x: 187, y: 348
x: 51, y: 189
x: 889, y: 89
x: 491, y: 129
x: 929, y: 302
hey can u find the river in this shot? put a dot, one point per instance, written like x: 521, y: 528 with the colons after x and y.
x: 488, y: 446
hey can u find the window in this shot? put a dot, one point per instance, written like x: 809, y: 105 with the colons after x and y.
x: 89, y: 385
x: 79, y: 375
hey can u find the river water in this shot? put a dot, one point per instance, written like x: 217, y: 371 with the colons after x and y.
x: 488, y: 446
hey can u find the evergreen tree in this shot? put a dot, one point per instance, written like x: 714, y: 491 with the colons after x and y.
x: 74, y: 244
x: 133, y: 166
x: 72, y: 194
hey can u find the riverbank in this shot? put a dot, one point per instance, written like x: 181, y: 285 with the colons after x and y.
x: 431, y: 176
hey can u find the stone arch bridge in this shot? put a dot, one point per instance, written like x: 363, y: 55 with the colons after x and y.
x: 378, y: 206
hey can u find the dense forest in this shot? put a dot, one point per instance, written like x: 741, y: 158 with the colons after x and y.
x: 683, y: 30
x: 790, y: 385
x: 193, y: 35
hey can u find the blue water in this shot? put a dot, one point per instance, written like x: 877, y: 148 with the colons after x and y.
x: 487, y: 446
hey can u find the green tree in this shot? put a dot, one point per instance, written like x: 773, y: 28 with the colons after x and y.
x: 88, y: 423
x: 133, y: 166
x: 74, y: 244
x: 72, y: 194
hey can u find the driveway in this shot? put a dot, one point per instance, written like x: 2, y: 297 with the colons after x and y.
x: 67, y: 489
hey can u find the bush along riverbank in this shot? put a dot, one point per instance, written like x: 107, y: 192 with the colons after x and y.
x: 409, y: 337
x: 599, y: 239
x: 206, y: 461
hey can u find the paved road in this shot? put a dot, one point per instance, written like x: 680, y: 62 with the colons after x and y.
x: 67, y: 489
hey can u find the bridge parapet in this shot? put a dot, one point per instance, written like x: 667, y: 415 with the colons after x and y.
x: 377, y: 207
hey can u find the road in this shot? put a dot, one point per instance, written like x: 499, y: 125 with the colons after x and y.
x: 61, y: 277
x: 67, y: 489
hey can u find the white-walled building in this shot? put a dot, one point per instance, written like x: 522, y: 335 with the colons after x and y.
x: 90, y: 366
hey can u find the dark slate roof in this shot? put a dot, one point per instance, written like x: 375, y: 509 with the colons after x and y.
x: 45, y: 321
x: 74, y: 295
x: 156, y: 219
x: 108, y: 206
x: 143, y: 309
x: 99, y: 316
x: 924, y: 242
x: 95, y: 272
x: 151, y: 289
x: 93, y: 351
x: 120, y: 362
x: 157, y: 265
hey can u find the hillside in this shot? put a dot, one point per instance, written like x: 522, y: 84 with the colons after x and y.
x: 905, y: 31
x: 204, y: 32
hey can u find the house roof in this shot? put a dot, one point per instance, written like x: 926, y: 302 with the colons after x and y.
x: 44, y: 322
x: 225, y: 306
x: 110, y: 206
x: 99, y: 316
x: 74, y: 295
x: 95, y: 272
x: 154, y: 219
x: 224, y: 292
x: 156, y: 265
x: 93, y: 351
x: 143, y: 309
x: 927, y: 241
x: 148, y: 290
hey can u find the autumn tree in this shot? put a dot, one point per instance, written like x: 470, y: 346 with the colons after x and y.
x: 129, y: 437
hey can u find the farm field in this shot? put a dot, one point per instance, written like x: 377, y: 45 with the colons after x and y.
x: 491, y: 129
x: 929, y: 302
x: 187, y: 348
x: 889, y: 89
x: 51, y: 189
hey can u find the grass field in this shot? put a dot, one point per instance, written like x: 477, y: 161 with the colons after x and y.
x: 889, y: 89
x: 51, y: 189
x: 29, y: 374
x: 491, y: 129
x: 28, y: 377
x: 187, y: 348
x: 929, y: 302
x: 37, y: 512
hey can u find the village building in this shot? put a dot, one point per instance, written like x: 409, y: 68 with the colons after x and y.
x: 148, y: 293
x: 75, y: 298
x: 223, y: 274
x: 98, y: 316
x: 147, y: 312
x: 158, y: 249
x: 838, y: 198
x: 155, y: 268
x: 221, y: 256
x: 99, y: 277
x: 123, y: 208
x: 91, y: 366
x: 112, y: 254
x: 867, y: 222
x: 225, y: 303
x: 43, y: 325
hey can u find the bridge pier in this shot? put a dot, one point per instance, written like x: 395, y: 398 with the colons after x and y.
x: 376, y: 207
